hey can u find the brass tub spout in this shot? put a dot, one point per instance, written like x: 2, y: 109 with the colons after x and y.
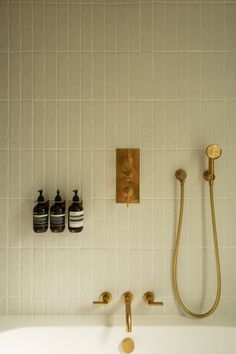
x: 128, y: 298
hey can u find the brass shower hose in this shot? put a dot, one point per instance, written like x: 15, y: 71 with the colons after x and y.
x: 176, y: 251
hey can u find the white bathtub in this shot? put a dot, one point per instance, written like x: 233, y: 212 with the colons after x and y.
x: 93, y: 335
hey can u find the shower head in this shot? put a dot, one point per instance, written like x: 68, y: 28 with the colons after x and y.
x: 213, y: 151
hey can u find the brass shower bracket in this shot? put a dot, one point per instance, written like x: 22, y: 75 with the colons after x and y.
x: 127, y: 176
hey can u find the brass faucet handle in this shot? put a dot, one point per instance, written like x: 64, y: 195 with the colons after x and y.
x: 149, y: 298
x: 105, y: 297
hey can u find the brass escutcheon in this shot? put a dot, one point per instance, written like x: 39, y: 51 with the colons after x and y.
x: 128, y: 345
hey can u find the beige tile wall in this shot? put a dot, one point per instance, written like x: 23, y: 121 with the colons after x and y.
x: 78, y: 80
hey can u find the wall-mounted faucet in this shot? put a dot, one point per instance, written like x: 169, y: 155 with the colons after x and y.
x: 128, y: 298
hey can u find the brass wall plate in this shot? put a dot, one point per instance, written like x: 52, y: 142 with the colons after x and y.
x: 127, y: 176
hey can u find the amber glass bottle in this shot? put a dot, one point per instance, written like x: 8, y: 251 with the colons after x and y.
x: 40, y: 214
x: 57, y: 214
x: 76, y: 214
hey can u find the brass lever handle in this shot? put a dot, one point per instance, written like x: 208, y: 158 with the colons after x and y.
x: 149, y: 298
x: 105, y: 297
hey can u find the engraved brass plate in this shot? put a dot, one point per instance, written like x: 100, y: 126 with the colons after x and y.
x: 127, y: 176
x: 127, y: 345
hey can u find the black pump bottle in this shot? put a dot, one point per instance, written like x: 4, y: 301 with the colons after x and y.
x: 57, y: 214
x: 75, y: 214
x: 40, y: 214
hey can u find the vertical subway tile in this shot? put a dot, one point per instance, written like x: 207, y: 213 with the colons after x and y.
x: 87, y: 125
x: 62, y: 75
x: 110, y: 222
x: 13, y: 275
x: 110, y: 75
x: 122, y: 124
x: 146, y: 27
x: 182, y: 28
x: 110, y: 174
x: 87, y: 173
x: 134, y: 124
x: 50, y: 272
x: 14, y: 177
x: 38, y: 170
x: 38, y: 27
x: 14, y: 75
x: 26, y: 207
x: 98, y: 174
x: 86, y: 75
x: 50, y: 174
x: 170, y: 27
x: 50, y: 125
x: 75, y: 75
x: 50, y: 27
x: 146, y: 224
x: 110, y: 125
x: 62, y: 27
x: 14, y: 124
x: 3, y: 273
x: 85, y: 281
x: 122, y: 75
x: 146, y: 174
x: 38, y: 125
x: 158, y: 75
x: 26, y: 27
x: 15, y: 225
x: 134, y: 76
x: 98, y: 28
x: 99, y: 76
x: 86, y: 27
x: 75, y: 125
x: 62, y: 124
x: 4, y: 182
x: 158, y: 26
x: 4, y: 66
x: 4, y: 224
x: 122, y: 27
x: 230, y: 12
x: 134, y: 27
x: 122, y: 228
x: 26, y: 280
x: 39, y: 80
x: 63, y: 172
x: 39, y: 272
x: 98, y: 223
x: 26, y: 125
x: 98, y: 123
x: 4, y: 136
x: 14, y: 27
x: 74, y: 170
x: 26, y: 75
x: 206, y: 26
x: 26, y: 174
x: 194, y: 27
x: 147, y: 125
x: 4, y: 35
x: 147, y: 72
x: 158, y: 125
x: 74, y: 27
x: 170, y: 76
x: 110, y: 27
x: 50, y: 75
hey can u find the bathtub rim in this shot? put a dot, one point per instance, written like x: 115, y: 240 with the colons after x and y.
x: 13, y: 322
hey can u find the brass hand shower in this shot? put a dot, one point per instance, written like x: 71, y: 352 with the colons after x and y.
x: 213, y: 152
